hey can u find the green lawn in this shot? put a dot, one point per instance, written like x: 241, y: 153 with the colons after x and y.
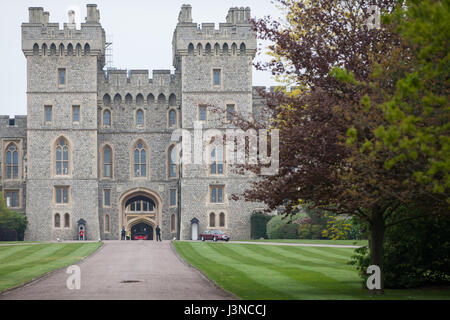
x: 263, y: 272
x: 305, y: 241
x: 22, y: 263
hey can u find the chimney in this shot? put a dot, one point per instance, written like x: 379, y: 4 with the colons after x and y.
x: 46, y: 15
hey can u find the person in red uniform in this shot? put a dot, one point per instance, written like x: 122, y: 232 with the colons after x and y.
x: 81, y: 234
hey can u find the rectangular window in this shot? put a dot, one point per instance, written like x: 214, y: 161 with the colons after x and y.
x: 62, y: 195
x: 217, y: 80
x: 76, y: 113
x: 62, y: 77
x: 173, y: 197
x: 107, y: 198
x: 48, y: 113
x: 12, y: 198
x: 230, y: 112
x: 216, y: 194
x: 202, y: 113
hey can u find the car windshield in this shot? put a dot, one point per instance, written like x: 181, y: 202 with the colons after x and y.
x: 217, y: 232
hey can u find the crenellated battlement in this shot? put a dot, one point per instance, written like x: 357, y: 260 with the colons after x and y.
x: 42, y: 37
x: 139, y: 77
x: 234, y: 37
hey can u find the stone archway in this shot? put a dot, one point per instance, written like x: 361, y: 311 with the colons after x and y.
x: 140, y: 208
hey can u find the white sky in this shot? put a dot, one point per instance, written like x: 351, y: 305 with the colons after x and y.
x: 142, y: 35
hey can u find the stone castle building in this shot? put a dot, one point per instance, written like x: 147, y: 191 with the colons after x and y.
x: 95, y: 149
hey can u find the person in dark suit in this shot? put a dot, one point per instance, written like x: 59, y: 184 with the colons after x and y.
x: 158, y: 233
x: 123, y: 233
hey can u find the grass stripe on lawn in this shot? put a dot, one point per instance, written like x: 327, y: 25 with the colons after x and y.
x: 300, y: 276
x: 37, y: 260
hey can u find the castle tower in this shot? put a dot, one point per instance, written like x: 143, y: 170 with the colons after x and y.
x: 62, y: 67
x: 216, y: 70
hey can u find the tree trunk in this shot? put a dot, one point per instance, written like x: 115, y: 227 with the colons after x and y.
x: 376, y: 245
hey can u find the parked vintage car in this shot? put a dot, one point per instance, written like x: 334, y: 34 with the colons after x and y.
x: 214, y: 235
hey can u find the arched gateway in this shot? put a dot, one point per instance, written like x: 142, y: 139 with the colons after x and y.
x: 140, y: 213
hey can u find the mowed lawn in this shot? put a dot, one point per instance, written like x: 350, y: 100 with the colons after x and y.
x: 271, y: 272
x: 22, y: 263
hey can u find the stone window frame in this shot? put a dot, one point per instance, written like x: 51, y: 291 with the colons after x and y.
x: 176, y: 125
x: 199, y: 106
x: 145, y: 147
x: 217, y: 214
x: 104, y: 205
x: 102, y: 161
x: 209, y: 149
x: 168, y: 163
x: 209, y: 197
x: 173, y: 220
x: 106, y: 218
x: 19, y: 195
x: 59, y: 85
x: 235, y: 111
x: 110, y: 118
x: 70, y: 164
x: 213, y: 85
x: 64, y: 221
x: 69, y: 196
x: 170, y: 198
x: 140, y: 126
x: 54, y: 221
x: 46, y: 105
x: 75, y: 105
x: 18, y: 144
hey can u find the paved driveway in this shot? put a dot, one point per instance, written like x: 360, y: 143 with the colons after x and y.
x: 127, y: 270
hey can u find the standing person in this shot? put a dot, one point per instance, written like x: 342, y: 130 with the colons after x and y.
x: 128, y: 235
x: 123, y: 233
x: 158, y: 233
x: 81, y: 234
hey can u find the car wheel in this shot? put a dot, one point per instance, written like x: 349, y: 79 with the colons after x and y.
x: 203, y: 238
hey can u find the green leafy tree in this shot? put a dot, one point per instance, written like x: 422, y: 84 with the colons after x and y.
x: 11, y: 220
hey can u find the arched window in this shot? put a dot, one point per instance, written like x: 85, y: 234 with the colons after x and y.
x: 107, y: 162
x: 216, y: 166
x: 128, y: 98
x: 172, y: 160
x: 44, y: 49
x: 87, y: 49
x: 172, y: 118
x: 216, y: 49
x: 199, y: 49
x: 140, y: 100
x: 242, y: 48
x: 172, y: 100
x: 62, y: 157
x: 140, y: 117
x: 150, y: 99
x: 70, y: 49
x: 117, y: 99
x: 36, y: 49
x: 212, y: 219
x: 12, y: 162
x: 233, y: 48
x: 222, y: 220
x: 53, y: 49
x: 208, y: 48
x: 140, y: 204
x: 107, y: 118
x: 106, y: 100
x: 161, y: 98
x: 225, y: 49
x: 66, y: 220
x: 57, y: 221
x: 61, y: 50
x: 78, y: 48
x: 107, y: 223
x: 140, y: 160
x: 172, y: 223
x: 191, y: 49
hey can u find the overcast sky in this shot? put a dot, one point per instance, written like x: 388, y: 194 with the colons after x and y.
x: 141, y: 33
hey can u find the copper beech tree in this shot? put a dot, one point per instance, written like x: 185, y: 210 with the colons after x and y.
x: 344, y: 62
